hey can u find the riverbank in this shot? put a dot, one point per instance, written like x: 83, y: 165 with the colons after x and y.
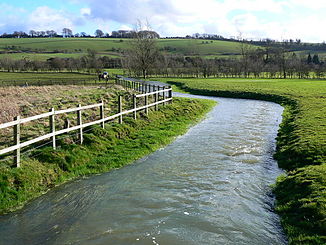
x: 103, y: 150
x: 301, y: 146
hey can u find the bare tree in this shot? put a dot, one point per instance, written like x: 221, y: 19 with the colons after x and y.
x: 143, y: 52
x: 32, y: 33
x: 99, y: 33
x: 66, y: 32
x: 51, y: 33
x: 245, y: 50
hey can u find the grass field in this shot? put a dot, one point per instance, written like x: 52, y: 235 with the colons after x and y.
x: 21, y: 78
x: 45, y: 48
x: 45, y: 56
x: 40, y: 56
x: 64, y: 44
x: 301, y: 147
x: 76, y: 47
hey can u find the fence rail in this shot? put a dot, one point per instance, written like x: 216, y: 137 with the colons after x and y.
x: 156, y: 91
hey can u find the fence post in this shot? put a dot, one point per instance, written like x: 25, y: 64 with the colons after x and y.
x: 170, y: 94
x: 79, y: 123
x: 146, y: 104
x: 134, y: 99
x: 17, y: 141
x: 164, y: 95
x: 120, y: 108
x: 102, y: 113
x: 156, y: 98
x: 52, y: 127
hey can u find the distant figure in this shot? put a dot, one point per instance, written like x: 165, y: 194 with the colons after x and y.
x: 104, y: 75
x: 24, y: 85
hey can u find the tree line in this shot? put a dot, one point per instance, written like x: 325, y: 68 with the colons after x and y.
x: 91, y: 63
x: 66, y: 32
x: 259, y: 63
x: 144, y: 59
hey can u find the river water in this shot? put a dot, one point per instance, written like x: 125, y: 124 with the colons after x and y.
x: 210, y: 186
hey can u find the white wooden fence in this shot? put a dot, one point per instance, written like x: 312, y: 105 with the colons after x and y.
x: 161, y: 95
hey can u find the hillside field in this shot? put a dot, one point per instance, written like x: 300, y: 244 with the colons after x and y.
x: 44, y: 48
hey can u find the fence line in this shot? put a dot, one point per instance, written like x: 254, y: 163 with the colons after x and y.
x: 147, y: 90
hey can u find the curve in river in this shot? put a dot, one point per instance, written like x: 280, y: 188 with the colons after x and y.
x: 210, y: 186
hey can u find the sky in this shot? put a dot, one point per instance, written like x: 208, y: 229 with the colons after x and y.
x: 251, y: 19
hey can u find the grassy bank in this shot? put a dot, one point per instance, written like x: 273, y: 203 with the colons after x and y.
x: 301, y: 146
x: 103, y: 149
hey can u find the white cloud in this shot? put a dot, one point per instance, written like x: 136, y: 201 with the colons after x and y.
x: 275, y: 19
x: 125, y: 27
x: 45, y: 18
x: 10, y: 19
x: 309, y: 4
x: 85, y: 11
x: 181, y: 17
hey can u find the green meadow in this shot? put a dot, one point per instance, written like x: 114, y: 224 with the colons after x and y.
x: 44, y: 48
x: 21, y: 78
x: 301, y: 146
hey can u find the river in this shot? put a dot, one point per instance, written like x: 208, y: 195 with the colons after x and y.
x: 210, y: 186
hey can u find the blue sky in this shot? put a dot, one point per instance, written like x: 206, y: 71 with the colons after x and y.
x: 277, y: 19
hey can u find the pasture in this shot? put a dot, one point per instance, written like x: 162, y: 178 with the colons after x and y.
x: 44, y: 48
x: 39, y: 78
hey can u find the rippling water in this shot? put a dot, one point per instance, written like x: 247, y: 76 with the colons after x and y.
x: 211, y: 186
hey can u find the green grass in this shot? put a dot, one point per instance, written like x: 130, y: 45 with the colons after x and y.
x: 46, y: 56
x: 7, y: 78
x: 301, y: 146
x: 39, y: 48
x: 103, y: 150
x: 66, y: 44
x: 200, y: 47
x: 41, y: 56
x: 76, y: 47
